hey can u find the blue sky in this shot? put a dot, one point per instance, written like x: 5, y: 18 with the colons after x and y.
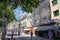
x: 18, y: 12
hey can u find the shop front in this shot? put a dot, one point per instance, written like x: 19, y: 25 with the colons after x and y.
x: 29, y: 30
x: 26, y: 31
x: 44, y: 30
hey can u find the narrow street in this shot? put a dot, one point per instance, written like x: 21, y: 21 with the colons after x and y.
x: 29, y: 19
x: 26, y: 37
x: 36, y: 38
x: 33, y: 38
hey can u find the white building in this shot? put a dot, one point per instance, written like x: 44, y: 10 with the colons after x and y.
x: 26, y: 20
x: 13, y: 25
x: 26, y: 23
x: 55, y: 10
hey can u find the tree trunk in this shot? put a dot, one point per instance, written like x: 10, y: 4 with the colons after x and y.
x: 4, y: 20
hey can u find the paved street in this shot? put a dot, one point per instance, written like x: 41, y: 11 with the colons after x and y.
x: 0, y: 35
x: 28, y: 37
x: 33, y: 38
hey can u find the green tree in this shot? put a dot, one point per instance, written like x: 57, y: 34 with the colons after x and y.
x: 7, y: 7
x: 8, y: 14
x: 26, y: 5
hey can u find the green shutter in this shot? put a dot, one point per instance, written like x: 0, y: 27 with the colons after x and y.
x: 54, y: 2
x: 56, y: 13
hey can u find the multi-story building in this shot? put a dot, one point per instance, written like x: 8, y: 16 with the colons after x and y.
x: 12, y: 25
x: 23, y: 20
x: 55, y: 10
x: 26, y: 20
x: 41, y: 14
x: 47, y: 15
x: 26, y: 23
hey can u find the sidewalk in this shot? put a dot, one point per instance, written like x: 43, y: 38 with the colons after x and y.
x: 25, y: 35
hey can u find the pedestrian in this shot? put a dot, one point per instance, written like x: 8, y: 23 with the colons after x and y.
x: 50, y: 35
x: 31, y: 35
x: 12, y: 33
x: 12, y: 36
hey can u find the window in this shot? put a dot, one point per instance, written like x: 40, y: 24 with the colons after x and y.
x: 56, y: 13
x: 30, y: 16
x: 54, y: 2
x: 24, y: 23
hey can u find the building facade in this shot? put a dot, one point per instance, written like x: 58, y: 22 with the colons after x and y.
x: 41, y: 14
x: 26, y: 20
x: 26, y: 23
x: 48, y: 14
x: 12, y: 25
x: 55, y: 10
x: 23, y: 22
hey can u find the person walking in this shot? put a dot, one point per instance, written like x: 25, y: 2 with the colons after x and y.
x: 50, y: 35
x: 12, y: 36
x: 31, y: 35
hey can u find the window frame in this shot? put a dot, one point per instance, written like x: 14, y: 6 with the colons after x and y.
x: 54, y: 2
x: 55, y: 13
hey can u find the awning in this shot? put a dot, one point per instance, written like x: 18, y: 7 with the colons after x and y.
x: 29, y: 28
x: 35, y: 27
x: 26, y: 29
x: 44, y: 28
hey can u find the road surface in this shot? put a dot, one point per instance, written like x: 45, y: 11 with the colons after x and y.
x: 33, y: 38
